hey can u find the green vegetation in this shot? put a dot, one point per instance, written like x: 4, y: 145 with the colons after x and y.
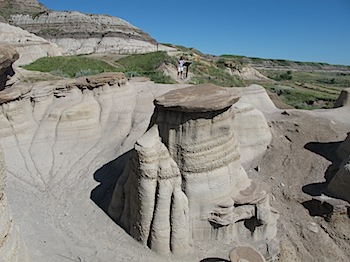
x: 317, y: 87
x: 212, y: 74
x: 9, y: 9
x: 307, y: 89
x: 147, y: 65
x: 302, y: 98
x: 70, y: 66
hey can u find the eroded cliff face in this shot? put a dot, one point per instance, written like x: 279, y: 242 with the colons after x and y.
x: 29, y: 46
x: 78, y: 33
x: 12, y: 247
x: 56, y: 136
x: 185, y: 181
x: 42, y: 118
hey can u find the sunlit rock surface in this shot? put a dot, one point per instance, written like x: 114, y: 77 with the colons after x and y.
x: 185, y: 181
x: 29, y: 46
x: 12, y: 247
x: 78, y: 33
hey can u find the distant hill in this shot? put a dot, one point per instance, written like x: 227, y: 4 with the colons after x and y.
x: 10, y: 7
x: 306, y: 85
x: 278, y: 64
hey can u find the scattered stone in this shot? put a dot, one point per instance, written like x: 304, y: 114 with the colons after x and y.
x: 313, y: 227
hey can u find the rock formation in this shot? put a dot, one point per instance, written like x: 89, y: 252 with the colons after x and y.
x: 343, y: 99
x: 185, y: 181
x: 340, y: 183
x: 12, y: 248
x: 249, y: 73
x: 252, y: 132
x: 29, y: 46
x: 55, y: 135
x: 8, y: 56
x: 78, y: 33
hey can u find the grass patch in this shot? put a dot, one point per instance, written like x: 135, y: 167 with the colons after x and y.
x: 70, y: 66
x: 204, y: 73
x: 147, y: 65
x: 302, y: 99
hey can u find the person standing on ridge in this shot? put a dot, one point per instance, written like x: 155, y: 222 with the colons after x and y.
x: 180, y: 67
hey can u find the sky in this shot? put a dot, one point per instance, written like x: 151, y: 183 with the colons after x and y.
x: 298, y: 30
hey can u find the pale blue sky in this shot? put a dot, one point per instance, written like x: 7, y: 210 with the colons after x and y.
x: 301, y: 30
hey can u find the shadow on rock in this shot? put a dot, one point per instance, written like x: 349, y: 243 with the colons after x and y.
x: 318, y: 208
x: 214, y: 259
x: 328, y: 151
x: 314, y: 206
x: 108, y: 176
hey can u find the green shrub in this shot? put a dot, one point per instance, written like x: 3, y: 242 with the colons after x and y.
x: 212, y: 74
x: 147, y: 65
x: 70, y: 66
x: 145, y: 62
x: 303, y: 99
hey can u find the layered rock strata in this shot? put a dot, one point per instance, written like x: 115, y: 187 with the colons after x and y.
x: 29, y: 46
x: 55, y: 136
x: 185, y: 181
x: 42, y: 118
x: 78, y: 33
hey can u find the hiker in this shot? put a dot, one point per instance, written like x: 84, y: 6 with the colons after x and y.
x: 180, y: 67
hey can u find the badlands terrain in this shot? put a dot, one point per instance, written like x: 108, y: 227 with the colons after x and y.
x: 69, y: 148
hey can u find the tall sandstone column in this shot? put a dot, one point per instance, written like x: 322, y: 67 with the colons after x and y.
x: 188, y: 164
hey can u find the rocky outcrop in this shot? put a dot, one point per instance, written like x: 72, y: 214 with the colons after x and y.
x: 343, y: 99
x: 249, y: 73
x: 8, y: 56
x: 78, y: 33
x: 251, y: 128
x: 56, y: 134
x: 340, y: 183
x: 29, y: 46
x: 28, y: 115
x: 12, y: 247
x: 185, y: 181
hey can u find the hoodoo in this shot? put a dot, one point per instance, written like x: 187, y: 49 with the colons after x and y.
x: 185, y: 182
